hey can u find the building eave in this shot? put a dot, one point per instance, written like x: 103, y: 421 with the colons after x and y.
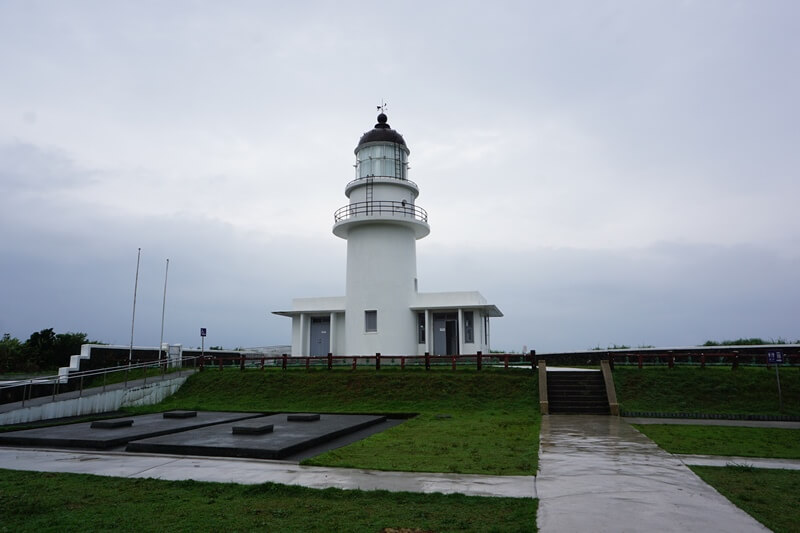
x: 487, y: 309
x: 307, y: 312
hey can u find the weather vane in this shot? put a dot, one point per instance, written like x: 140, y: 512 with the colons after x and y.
x: 383, y: 107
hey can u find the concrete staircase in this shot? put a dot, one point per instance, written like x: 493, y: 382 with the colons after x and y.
x: 577, y: 393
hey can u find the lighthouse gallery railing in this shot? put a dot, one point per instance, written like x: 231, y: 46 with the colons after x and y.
x: 381, y: 207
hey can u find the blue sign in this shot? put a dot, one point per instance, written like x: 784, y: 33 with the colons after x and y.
x: 202, y: 332
x: 775, y: 358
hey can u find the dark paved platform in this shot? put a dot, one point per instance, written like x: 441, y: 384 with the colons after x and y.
x: 286, y: 439
x: 83, y: 435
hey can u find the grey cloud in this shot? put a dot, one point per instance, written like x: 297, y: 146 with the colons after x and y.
x: 604, y: 172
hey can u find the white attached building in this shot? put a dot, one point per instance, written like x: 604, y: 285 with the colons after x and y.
x: 382, y: 311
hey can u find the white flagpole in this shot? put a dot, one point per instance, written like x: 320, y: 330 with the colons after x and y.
x: 133, y: 318
x: 163, y: 309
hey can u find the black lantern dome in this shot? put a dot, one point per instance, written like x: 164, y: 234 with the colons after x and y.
x: 382, y: 132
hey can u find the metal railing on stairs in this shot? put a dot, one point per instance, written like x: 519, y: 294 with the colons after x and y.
x: 26, y: 389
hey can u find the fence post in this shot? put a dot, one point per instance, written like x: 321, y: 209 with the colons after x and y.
x: 735, y: 361
x: 641, y: 359
x: 402, y: 363
x: 702, y: 360
x: 220, y: 362
x: 308, y: 362
x: 355, y: 362
x: 453, y: 358
x: 533, y: 360
x: 671, y: 361
x: 241, y: 362
x: 262, y: 363
x: 284, y: 361
x: 377, y: 361
x: 505, y: 361
x: 330, y: 361
x: 427, y: 360
x: 479, y: 360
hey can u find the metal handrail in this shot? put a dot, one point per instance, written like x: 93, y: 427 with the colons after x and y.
x: 381, y: 177
x: 58, y: 379
x: 380, y: 207
x: 84, y: 373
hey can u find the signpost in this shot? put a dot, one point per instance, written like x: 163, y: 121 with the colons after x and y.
x: 776, y: 358
x: 202, y: 344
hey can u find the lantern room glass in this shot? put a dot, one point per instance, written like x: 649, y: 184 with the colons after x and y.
x: 380, y: 160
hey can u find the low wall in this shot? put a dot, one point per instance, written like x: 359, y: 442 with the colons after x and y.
x: 95, y: 403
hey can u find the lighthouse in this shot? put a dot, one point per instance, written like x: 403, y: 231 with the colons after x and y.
x: 383, y: 310
x: 381, y: 224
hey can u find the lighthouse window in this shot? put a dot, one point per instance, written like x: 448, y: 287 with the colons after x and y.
x: 370, y: 321
x: 421, y: 328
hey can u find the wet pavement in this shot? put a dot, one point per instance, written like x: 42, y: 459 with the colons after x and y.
x: 755, y: 462
x: 253, y: 471
x: 597, y: 473
x: 274, y: 436
x: 713, y: 422
x: 88, y: 435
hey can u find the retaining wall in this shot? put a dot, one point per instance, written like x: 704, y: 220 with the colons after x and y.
x: 91, y: 404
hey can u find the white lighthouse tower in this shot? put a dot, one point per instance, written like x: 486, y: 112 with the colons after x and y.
x: 382, y: 311
x: 381, y: 224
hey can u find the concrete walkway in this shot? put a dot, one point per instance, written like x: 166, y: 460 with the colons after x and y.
x: 597, y: 473
x: 252, y: 471
x: 755, y: 462
x: 713, y: 422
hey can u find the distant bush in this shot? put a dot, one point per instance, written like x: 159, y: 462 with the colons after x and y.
x: 614, y: 347
x: 747, y: 342
x: 44, y: 350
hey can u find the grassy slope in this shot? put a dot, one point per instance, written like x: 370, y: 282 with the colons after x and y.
x: 33, y: 501
x: 770, y: 496
x: 747, y: 390
x: 724, y: 440
x: 493, y: 426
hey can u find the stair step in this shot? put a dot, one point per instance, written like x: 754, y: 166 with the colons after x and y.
x: 577, y: 393
x: 581, y: 386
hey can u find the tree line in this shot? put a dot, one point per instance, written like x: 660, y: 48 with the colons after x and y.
x: 44, y: 350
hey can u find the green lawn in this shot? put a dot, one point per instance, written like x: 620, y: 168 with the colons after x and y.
x: 770, y: 496
x: 131, y: 375
x: 41, y: 502
x: 725, y: 440
x: 747, y: 390
x: 491, y: 427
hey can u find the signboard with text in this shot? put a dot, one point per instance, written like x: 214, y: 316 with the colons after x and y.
x: 775, y: 358
x: 202, y: 332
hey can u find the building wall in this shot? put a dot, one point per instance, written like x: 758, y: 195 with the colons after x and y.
x: 297, y: 340
x: 384, y: 189
x: 339, y: 333
x: 381, y: 273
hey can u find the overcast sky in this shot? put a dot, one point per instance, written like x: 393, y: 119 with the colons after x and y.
x: 603, y: 172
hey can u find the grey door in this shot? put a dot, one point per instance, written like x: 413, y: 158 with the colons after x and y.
x: 445, y: 334
x: 320, y: 339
